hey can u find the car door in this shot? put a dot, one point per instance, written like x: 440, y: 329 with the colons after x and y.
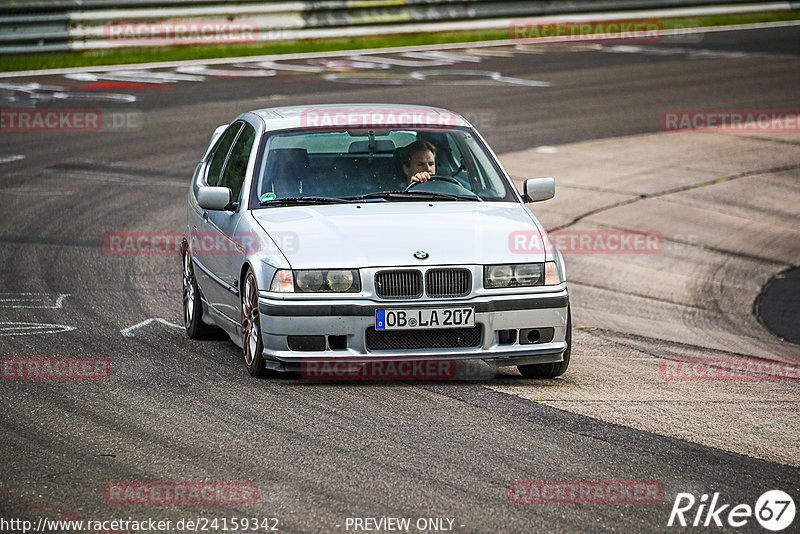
x: 229, y: 247
x: 204, y: 244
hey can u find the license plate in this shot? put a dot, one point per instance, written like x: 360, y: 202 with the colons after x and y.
x: 423, y: 318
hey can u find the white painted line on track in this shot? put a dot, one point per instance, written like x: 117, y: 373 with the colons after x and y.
x: 25, y: 329
x: 37, y: 301
x: 128, y: 332
x: 34, y: 193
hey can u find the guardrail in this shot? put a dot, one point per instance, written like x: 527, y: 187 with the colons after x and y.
x: 29, y: 26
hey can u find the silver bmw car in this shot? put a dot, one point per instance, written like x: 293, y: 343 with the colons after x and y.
x: 370, y: 233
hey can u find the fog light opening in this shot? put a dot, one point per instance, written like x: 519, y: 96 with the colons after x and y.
x: 337, y: 342
x: 306, y: 343
x: 506, y: 337
x: 530, y: 336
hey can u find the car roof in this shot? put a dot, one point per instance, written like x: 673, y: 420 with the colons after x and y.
x: 358, y: 115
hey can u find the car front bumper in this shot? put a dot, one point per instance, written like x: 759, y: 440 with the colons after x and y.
x: 352, y: 318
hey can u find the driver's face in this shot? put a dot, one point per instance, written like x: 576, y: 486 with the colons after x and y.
x: 422, y: 161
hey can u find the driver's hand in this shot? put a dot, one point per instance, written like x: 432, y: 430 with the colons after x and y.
x: 421, y: 177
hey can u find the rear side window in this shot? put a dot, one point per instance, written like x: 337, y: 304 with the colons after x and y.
x: 221, y: 153
x: 233, y: 174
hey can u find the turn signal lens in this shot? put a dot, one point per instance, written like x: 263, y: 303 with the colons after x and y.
x: 551, y: 275
x: 282, y: 282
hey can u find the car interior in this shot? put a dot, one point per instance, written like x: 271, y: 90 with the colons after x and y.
x: 369, y: 162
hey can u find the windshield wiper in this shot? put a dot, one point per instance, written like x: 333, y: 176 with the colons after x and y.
x: 303, y: 200
x: 404, y: 195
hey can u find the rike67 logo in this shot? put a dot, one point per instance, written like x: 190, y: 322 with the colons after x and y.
x: 774, y: 510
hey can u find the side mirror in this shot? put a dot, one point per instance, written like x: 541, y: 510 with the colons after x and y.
x: 537, y: 189
x: 214, y: 198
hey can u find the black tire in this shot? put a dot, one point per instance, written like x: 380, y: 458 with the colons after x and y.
x: 192, y: 307
x: 550, y: 370
x: 252, y: 344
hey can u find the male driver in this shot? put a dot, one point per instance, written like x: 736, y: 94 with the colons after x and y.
x: 418, y: 161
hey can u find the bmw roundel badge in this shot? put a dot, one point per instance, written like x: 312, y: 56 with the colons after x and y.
x: 420, y: 254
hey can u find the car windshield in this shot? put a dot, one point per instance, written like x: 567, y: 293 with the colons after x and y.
x: 371, y: 165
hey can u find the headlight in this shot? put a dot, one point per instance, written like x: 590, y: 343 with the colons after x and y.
x: 528, y: 274
x: 316, y: 281
x: 497, y: 276
x: 309, y: 280
x: 339, y: 281
x: 515, y: 275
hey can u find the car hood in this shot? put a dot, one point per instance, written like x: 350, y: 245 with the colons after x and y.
x: 379, y: 234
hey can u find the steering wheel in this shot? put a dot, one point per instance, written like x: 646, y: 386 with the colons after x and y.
x: 436, y: 177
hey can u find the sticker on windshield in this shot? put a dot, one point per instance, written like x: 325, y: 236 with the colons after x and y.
x: 267, y: 196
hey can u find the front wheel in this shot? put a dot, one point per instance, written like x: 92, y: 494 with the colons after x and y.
x: 252, y: 345
x: 551, y: 370
x: 192, y: 307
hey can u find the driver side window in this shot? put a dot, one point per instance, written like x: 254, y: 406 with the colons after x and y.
x: 233, y: 174
x: 221, y: 153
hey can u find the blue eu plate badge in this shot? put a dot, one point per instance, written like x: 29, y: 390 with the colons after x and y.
x: 380, y: 320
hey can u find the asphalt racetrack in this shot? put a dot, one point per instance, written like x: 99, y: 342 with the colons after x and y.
x: 322, y: 454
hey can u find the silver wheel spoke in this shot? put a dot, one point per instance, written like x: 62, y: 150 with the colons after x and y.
x: 250, y: 326
x: 188, y: 291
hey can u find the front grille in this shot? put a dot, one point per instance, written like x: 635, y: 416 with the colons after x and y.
x: 399, y: 284
x: 438, y: 338
x: 445, y: 283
